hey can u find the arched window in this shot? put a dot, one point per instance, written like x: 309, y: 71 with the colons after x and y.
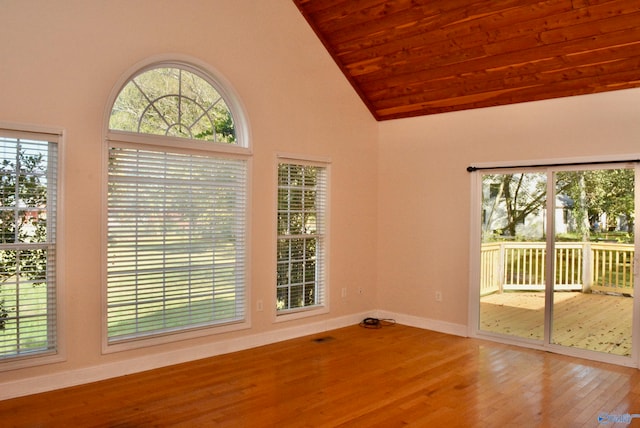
x: 173, y: 101
x: 176, y: 207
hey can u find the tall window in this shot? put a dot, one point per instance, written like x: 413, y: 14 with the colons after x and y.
x: 301, y: 236
x: 176, y: 207
x: 28, y: 192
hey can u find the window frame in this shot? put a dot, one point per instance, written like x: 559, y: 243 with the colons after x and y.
x: 549, y: 167
x: 324, y: 307
x: 202, y: 70
x: 58, y: 352
x: 238, y: 151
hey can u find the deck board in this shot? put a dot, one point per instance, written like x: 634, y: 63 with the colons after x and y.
x: 597, y: 322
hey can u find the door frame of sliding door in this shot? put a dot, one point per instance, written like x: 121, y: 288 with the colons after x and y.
x: 546, y: 344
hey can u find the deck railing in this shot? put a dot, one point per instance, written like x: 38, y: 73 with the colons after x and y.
x: 581, y: 266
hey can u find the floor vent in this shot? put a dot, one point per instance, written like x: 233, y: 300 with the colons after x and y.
x: 323, y: 339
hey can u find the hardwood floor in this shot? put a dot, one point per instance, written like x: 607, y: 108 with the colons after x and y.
x: 352, y: 377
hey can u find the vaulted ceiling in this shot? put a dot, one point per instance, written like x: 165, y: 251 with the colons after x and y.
x: 417, y: 57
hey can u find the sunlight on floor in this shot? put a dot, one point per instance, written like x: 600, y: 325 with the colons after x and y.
x: 596, y: 322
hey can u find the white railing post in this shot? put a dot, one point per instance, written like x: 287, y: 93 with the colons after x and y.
x: 501, y: 269
x: 587, y: 267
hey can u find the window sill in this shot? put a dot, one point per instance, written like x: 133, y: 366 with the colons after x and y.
x: 172, y: 337
x: 34, y: 360
x: 300, y: 313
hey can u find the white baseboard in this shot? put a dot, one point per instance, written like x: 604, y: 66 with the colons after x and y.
x: 425, y: 323
x: 34, y: 385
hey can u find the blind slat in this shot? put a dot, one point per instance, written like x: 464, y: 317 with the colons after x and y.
x: 29, y: 163
x: 301, y: 254
x: 176, y: 250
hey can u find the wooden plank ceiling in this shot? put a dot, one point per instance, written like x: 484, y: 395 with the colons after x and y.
x: 417, y: 57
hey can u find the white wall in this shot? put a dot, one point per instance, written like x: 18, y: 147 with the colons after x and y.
x: 424, y: 188
x: 60, y: 60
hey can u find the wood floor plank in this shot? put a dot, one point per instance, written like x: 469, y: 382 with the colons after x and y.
x: 390, y: 377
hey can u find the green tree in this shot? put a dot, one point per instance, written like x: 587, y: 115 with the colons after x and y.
x: 174, y: 102
x: 519, y: 195
x: 590, y: 193
x: 23, y: 193
x: 298, y: 245
x: 597, y: 192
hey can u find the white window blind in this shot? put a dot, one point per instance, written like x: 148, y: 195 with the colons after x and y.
x: 28, y: 198
x: 176, y: 241
x: 301, y: 252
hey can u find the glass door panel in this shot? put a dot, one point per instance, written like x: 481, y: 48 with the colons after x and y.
x: 512, y: 266
x: 594, y: 252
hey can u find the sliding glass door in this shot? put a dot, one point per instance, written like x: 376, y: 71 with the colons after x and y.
x: 594, y: 252
x: 512, y: 284
x: 556, y: 262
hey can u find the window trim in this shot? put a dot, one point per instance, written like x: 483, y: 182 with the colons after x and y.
x: 241, y: 150
x: 200, y: 68
x: 174, y: 144
x: 309, y: 311
x: 59, y: 354
x: 473, y: 302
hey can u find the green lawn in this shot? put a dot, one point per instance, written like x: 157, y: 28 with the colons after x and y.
x: 161, y: 289
x: 32, y: 334
x: 161, y: 307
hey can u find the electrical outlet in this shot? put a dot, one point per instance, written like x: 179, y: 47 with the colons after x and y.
x: 438, y: 296
x: 360, y: 290
x: 259, y: 306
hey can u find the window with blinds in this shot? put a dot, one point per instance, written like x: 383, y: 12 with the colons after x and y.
x: 176, y: 241
x: 301, y: 251
x: 176, y: 211
x: 28, y: 194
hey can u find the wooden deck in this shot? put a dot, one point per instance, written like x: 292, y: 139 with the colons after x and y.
x: 596, y: 322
